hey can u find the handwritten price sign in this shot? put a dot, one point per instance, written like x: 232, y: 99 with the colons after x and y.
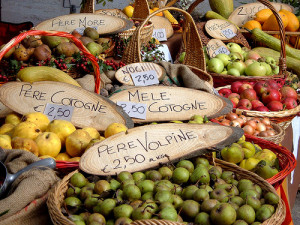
x: 160, y: 34
x: 223, y: 50
x: 228, y: 33
x: 134, y: 110
x: 58, y: 112
x: 145, y: 78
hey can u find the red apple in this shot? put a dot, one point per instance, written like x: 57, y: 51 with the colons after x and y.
x: 262, y: 109
x: 256, y: 103
x: 234, y: 95
x: 224, y: 92
x: 273, y: 84
x: 244, y: 103
x: 249, y: 94
x: 260, y: 87
x: 244, y: 87
x: 271, y: 95
x: 289, y: 103
x: 275, y: 106
x: 288, y: 92
x: 235, y: 86
x: 234, y: 103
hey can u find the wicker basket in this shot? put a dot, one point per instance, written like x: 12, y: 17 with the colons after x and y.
x: 281, y: 118
x: 239, y: 38
x: 223, y: 79
x: 13, y: 42
x: 57, y: 195
x: 194, y: 57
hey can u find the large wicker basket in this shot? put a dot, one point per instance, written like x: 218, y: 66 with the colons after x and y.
x: 13, y: 42
x: 194, y: 57
x: 57, y: 195
x: 223, y: 79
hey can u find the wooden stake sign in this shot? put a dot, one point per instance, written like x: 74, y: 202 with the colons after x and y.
x: 89, y: 109
x: 4, y: 110
x: 247, y: 12
x: 123, y: 75
x: 220, y: 29
x: 149, y: 146
x: 174, y: 103
x: 103, y: 23
x: 215, y: 47
x: 112, y: 12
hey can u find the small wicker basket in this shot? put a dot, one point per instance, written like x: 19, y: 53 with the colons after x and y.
x: 57, y: 195
x: 194, y: 57
x: 13, y: 42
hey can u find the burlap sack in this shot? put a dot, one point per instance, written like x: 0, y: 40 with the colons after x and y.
x: 26, y: 201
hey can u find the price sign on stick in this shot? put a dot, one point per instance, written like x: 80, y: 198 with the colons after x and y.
x: 220, y: 29
x: 145, y: 78
x: 58, y: 112
x: 160, y: 34
x: 134, y: 110
x: 215, y: 47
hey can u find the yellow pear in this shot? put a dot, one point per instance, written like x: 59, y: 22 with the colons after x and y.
x: 26, y: 144
x: 114, y: 128
x: 13, y: 118
x: 74, y: 159
x: 62, y: 128
x: 48, y: 144
x: 5, y: 141
x: 62, y: 156
x: 26, y: 130
x: 77, y: 142
x: 92, y: 142
x: 40, y: 119
x: 92, y: 132
x: 46, y: 156
x: 7, y: 128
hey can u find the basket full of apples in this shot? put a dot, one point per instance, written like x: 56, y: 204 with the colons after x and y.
x: 265, y: 99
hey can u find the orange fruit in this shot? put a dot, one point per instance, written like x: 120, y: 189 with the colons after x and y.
x: 262, y: 15
x: 272, y: 24
x: 293, y: 24
x: 158, y: 14
x: 251, y: 24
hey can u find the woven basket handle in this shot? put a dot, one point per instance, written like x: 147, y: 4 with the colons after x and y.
x: 282, y: 59
x: 88, y: 7
x: 194, y: 50
x: 141, y: 9
x: 16, y: 40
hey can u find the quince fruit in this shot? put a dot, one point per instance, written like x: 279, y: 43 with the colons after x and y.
x: 5, y: 141
x: 26, y: 130
x: 49, y: 144
x: 114, y: 128
x: 40, y: 119
x: 62, y: 128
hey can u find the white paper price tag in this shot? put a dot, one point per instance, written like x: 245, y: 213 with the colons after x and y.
x: 223, y: 50
x: 160, y: 34
x: 58, y: 112
x: 145, y: 78
x: 228, y: 33
x: 134, y: 110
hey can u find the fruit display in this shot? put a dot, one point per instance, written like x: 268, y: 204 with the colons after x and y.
x: 242, y: 62
x: 249, y: 156
x: 261, y: 127
x: 190, y: 192
x: 264, y: 96
x: 58, y: 139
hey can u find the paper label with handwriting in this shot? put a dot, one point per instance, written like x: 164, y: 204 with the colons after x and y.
x: 228, y: 33
x: 58, y: 112
x: 145, y: 78
x: 223, y: 50
x: 160, y: 34
x: 134, y: 110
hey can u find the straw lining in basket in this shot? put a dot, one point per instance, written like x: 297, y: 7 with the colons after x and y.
x: 57, y: 195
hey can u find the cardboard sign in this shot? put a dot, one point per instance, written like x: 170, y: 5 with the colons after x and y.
x: 174, y: 103
x: 220, y: 29
x: 90, y: 109
x: 112, y: 12
x: 104, y: 24
x: 4, y: 110
x: 246, y: 12
x: 58, y: 112
x: 215, y: 47
x: 150, y: 146
x: 134, y: 110
x: 123, y: 75
x: 145, y: 78
x: 160, y: 22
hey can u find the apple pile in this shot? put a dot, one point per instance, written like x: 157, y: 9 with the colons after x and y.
x: 242, y: 62
x: 262, y: 96
x: 255, y: 126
